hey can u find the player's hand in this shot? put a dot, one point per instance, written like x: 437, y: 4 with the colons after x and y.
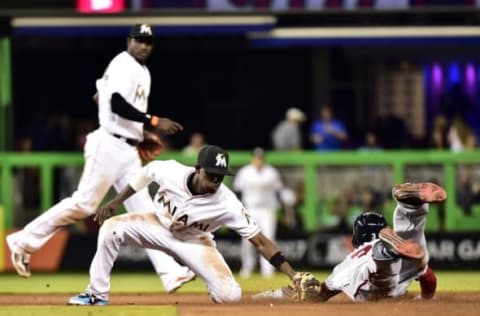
x: 105, y: 212
x: 290, y: 292
x: 167, y: 126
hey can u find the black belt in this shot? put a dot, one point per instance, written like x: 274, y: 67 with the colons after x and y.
x: 130, y: 141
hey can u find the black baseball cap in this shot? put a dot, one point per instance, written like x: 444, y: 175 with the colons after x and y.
x: 214, y: 160
x: 142, y: 31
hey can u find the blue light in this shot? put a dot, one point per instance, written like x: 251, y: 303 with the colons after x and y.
x: 454, y: 73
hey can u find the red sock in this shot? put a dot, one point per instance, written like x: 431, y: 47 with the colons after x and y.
x: 428, y: 284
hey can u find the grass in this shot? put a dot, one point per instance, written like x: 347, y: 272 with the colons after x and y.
x: 148, y: 283
x: 88, y: 310
x: 68, y: 283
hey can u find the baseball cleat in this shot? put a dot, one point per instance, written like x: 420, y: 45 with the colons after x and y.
x: 20, y: 260
x: 85, y: 299
x: 399, y: 246
x: 180, y: 281
x: 419, y: 193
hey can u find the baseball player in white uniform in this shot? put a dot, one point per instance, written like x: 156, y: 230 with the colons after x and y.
x: 384, y: 261
x: 260, y: 188
x: 191, y: 203
x: 111, y: 158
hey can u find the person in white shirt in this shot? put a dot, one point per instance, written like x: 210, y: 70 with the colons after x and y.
x: 261, y: 190
x: 111, y: 158
x: 191, y: 203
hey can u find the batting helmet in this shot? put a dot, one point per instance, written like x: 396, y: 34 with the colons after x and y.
x: 366, y: 227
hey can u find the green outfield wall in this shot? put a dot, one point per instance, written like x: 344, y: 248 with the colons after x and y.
x: 397, y: 164
x: 6, y: 121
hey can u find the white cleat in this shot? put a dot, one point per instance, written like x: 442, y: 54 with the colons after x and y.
x: 269, y: 295
x: 180, y: 281
x: 20, y: 260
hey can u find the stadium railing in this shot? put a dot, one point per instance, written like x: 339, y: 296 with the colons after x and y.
x: 311, y: 166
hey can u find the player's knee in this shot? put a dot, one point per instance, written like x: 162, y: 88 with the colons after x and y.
x: 85, y: 203
x: 110, y: 232
x: 227, y: 292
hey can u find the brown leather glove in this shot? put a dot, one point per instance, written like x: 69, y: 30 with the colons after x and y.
x: 150, y: 147
x: 306, y: 288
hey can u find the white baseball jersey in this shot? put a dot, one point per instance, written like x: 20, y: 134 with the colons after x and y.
x: 194, y: 245
x: 109, y: 161
x: 354, y: 274
x: 135, y: 91
x: 201, y: 214
x: 259, y: 187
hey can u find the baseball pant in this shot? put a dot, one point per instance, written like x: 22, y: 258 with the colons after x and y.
x: 267, y: 221
x: 409, y: 223
x: 146, y: 230
x: 108, y: 161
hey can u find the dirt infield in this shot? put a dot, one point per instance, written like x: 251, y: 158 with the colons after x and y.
x: 199, y: 304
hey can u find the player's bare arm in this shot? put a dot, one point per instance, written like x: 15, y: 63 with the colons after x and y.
x: 106, y: 211
x: 95, y: 98
x: 270, y: 252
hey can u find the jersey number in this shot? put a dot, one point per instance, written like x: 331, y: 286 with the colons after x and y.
x: 362, y: 251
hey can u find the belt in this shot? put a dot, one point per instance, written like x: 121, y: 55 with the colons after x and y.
x: 130, y: 141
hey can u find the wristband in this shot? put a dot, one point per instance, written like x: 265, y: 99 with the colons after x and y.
x: 277, y: 259
x: 154, y: 120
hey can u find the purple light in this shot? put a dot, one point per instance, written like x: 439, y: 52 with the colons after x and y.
x: 470, y: 77
x: 437, y: 76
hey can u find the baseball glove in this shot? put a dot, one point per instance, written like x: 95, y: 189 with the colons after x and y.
x: 306, y: 288
x: 150, y: 147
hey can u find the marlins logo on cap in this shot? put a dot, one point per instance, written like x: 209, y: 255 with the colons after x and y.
x: 141, y: 30
x: 214, y: 160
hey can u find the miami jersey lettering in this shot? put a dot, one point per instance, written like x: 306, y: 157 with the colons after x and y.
x: 195, y: 215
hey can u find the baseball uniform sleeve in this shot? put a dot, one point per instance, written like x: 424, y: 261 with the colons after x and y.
x: 115, y: 77
x: 140, y: 180
x: 153, y: 171
x: 240, y: 220
x: 158, y: 170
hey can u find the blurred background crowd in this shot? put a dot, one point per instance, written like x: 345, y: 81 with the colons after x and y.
x: 227, y: 90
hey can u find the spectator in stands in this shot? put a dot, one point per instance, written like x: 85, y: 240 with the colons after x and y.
x: 468, y: 191
x: 439, y: 135
x: 327, y: 133
x: 370, y: 142
x: 197, y: 141
x: 287, y: 135
x: 461, y: 136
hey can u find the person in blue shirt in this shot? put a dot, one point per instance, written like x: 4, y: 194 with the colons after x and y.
x: 326, y: 132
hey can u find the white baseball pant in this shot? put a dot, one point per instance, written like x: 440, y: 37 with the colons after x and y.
x: 108, y: 161
x: 146, y: 230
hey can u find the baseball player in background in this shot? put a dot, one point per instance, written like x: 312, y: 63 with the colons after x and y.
x: 111, y: 158
x: 191, y: 203
x: 385, y: 261
x: 260, y: 188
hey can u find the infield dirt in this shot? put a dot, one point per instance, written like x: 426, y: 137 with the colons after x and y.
x: 445, y: 303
